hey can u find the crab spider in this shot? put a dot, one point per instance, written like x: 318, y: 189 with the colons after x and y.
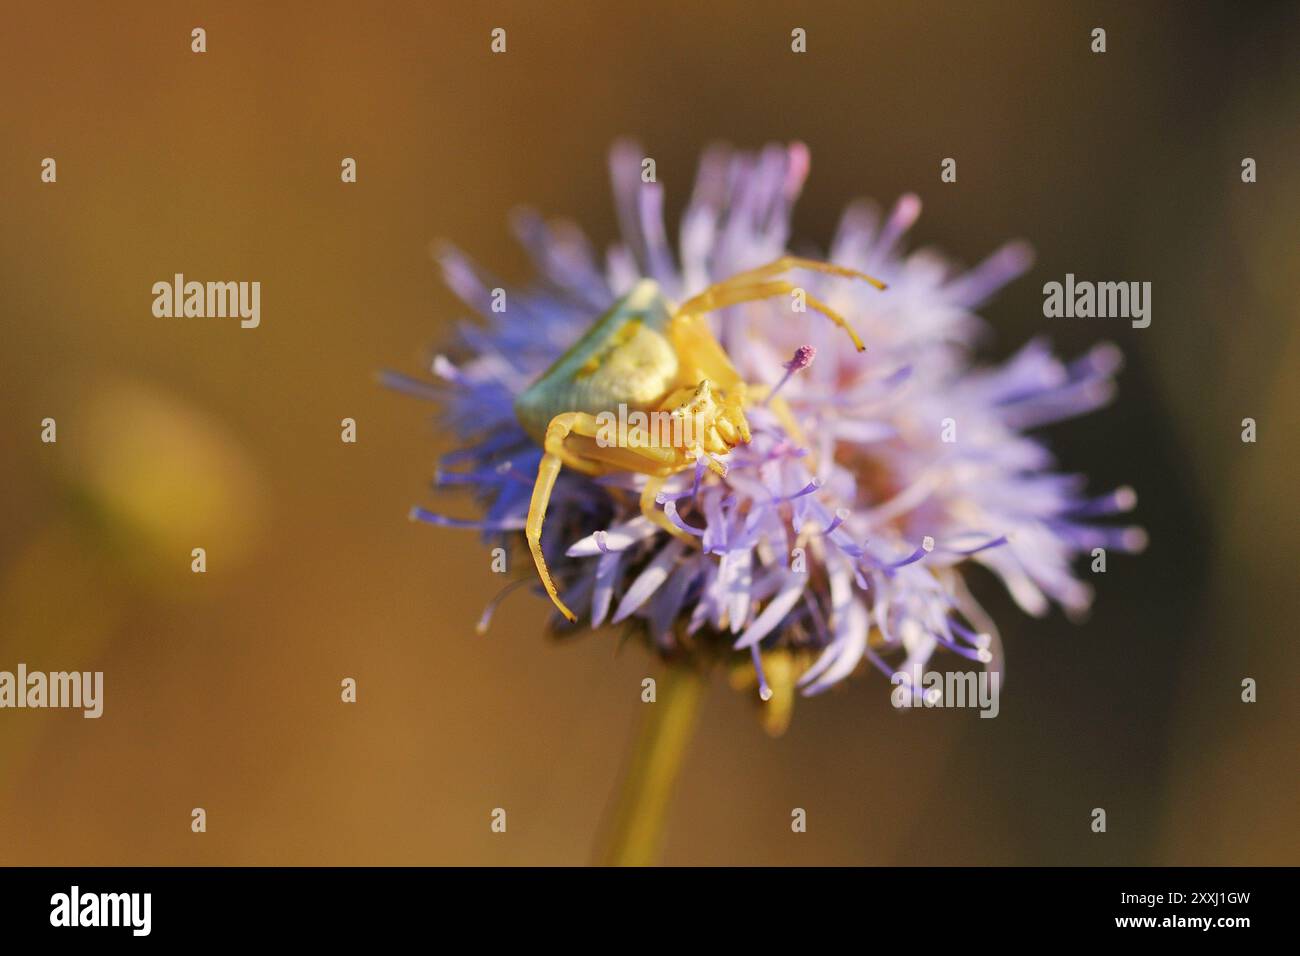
x: 651, y: 356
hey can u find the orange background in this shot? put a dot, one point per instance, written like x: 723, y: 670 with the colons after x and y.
x: 222, y: 690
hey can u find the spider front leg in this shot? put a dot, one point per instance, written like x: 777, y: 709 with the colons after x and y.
x: 788, y: 263
x: 548, y: 470
x: 593, y: 458
x: 755, y: 284
x: 724, y: 295
x: 650, y: 508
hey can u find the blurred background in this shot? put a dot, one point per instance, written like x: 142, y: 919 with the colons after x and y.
x: 222, y: 689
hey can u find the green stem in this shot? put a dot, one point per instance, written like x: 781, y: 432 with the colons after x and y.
x: 641, y: 810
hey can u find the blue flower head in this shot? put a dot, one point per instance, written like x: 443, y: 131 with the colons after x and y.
x: 840, y: 532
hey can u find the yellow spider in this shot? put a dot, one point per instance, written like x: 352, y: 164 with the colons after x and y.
x: 647, y: 355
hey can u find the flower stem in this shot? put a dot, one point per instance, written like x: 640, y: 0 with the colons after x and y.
x: 638, y: 816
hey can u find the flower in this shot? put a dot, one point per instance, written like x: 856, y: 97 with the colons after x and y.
x: 841, y: 531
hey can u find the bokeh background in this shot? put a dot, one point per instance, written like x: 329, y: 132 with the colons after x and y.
x: 222, y: 690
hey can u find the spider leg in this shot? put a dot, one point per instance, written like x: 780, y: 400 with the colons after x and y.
x: 724, y: 295
x: 556, y: 455
x: 788, y: 263
x: 547, y: 471
x: 658, y: 464
x: 701, y: 355
x: 593, y: 458
x: 653, y: 486
x: 777, y: 405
